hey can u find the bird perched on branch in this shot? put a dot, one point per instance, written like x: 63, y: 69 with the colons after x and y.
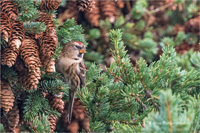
x: 71, y: 65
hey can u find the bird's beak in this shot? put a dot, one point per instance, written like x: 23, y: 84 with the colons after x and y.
x: 82, y: 51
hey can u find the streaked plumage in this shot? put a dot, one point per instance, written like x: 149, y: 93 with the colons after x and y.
x: 71, y: 65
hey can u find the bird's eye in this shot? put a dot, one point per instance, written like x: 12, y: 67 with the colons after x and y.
x: 77, y: 47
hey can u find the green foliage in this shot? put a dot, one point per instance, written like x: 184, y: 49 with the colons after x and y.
x: 179, y: 38
x: 70, y: 31
x: 123, y: 128
x: 2, y: 128
x: 36, y: 105
x: 34, y: 27
x: 94, y: 33
x: 3, y: 43
x: 27, y: 10
x: 139, y: 9
x: 191, y: 38
x: 93, y: 57
x: 52, y: 83
x: 120, y: 98
x: 195, y: 60
x: 8, y: 74
x: 41, y: 123
x: 174, y: 115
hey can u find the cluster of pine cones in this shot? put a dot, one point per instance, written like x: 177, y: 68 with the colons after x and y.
x: 24, y: 51
x: 94, y: 10
x: 12, y: 114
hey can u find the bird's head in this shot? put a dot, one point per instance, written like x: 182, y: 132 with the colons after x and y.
x: 74, y: 50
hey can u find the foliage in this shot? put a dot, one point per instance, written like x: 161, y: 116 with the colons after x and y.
x: 174, y: 115
x: 124, y: 95
x: 148, y: 85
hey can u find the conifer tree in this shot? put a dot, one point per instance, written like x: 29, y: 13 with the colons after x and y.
x: 143, y: 66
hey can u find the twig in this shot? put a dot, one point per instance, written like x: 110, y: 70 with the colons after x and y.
x: 169, y: 117
x: 158, y: 9
x: 139, y: 101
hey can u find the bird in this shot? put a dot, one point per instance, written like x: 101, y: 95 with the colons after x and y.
x: 71, y: 65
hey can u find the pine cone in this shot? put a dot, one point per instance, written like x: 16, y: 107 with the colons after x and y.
x: 29, y: 77
x: 56, y: 102
x: 108, y: 10
x: 86, y: 124
x: 10, y: 53
x: 7, y: 96
x: 48, y: 64
x: 94, y: 16
x: 47, y: 42
x: 70, y: 12
x: 49, y: 4
x: 9, y: 8
x: 10, y: 120
x: 52, y: 121
x: 5, y: 27
x: 30, y: 54
x: 47, y: 45
x: 8, y: 56
x: 79, y: 118
x: 87, y: 5
x: 46, y: 18
x: 193, y: 25
x: 185, y: 47
x: 17, y: 35
x: 73, y: 127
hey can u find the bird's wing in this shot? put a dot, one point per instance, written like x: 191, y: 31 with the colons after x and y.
x: 82, y: 74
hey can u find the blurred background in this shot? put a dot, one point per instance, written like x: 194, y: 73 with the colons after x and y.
x: 147, y: 25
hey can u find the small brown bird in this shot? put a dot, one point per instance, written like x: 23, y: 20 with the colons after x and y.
x: 71, y: 65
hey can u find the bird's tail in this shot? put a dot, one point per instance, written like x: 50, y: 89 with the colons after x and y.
x: 70, y: 105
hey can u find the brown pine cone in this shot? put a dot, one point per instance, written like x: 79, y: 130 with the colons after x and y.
x: 8, y: 56
x: 46, y: 18
x: 5, y: 27
x: 47, y: 45
x: 185, y: 47
x: 7, y: 96
x: 73, y: 127
x: 193, y: 25
x: 70, y: 12
x: 29, y: 79
x: 52, y: 121
x: 79, y: 118
x: 94, y: 16
x: 86, y: 124
x: 85, y: 5
x: 30, y: 75
x: 48, y: 64
x: 49, y: 4
x: 47, y: 41
x: 10, y: 120
x: 10, y: 53
x: 30, y: 54
x: 108, y: 10
x: 17, y: 35
x: 48, y: 49
x: 56, y: 102
x: 9, y: 8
